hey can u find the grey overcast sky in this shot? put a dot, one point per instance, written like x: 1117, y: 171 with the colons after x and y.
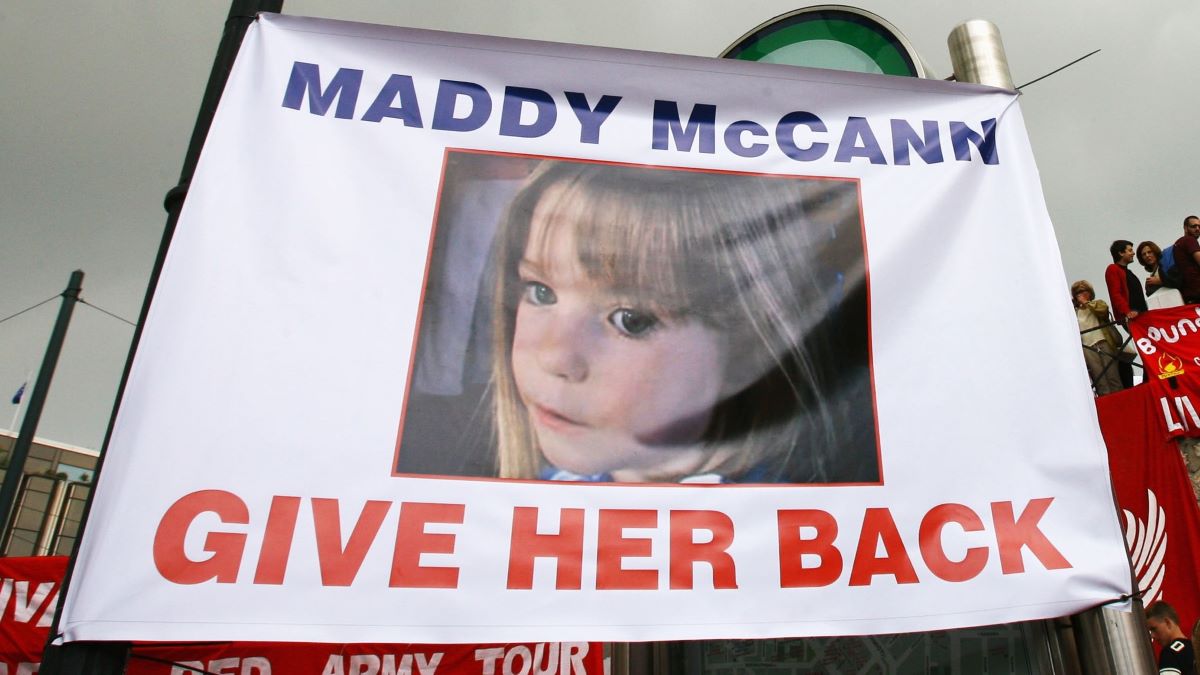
x: 99, y: 100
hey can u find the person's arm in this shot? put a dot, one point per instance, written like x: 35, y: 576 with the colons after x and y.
x: 1153, y: 282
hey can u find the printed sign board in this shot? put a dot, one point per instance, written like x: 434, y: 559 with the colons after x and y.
x: 468, y: 339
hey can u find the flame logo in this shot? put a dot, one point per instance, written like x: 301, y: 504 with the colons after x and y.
x: 1169, y: 365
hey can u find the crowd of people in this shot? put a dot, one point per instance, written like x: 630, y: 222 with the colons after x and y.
x: 1173, y: 279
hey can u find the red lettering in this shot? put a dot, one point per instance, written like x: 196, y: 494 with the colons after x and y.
x: 412, y: 540
x: 685, y: 552
x: 613, y: 547
x: 793, y: 548
x: 277, y: 540
x: 226, y: 547
x: 526, y: 545
x: 1014, y: 534
x: 931, y: 543
x: 878, y: 526
x: 340, y: 565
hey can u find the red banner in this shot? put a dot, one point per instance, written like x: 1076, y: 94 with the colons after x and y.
x: 29, y: 598
x: 1169, y: 342
x: 269, y: 658
x: 1159, y: 510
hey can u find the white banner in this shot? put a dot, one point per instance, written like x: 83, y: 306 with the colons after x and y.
x: 466, y: 339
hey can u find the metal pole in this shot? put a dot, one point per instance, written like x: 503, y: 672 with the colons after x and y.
x: 101, y: 658
x: 977, y: 54
x: 1113, y: 642
x: 37, y: 399
x: 52, y: 520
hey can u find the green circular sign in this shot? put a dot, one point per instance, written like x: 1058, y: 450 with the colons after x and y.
x: 840, y: 38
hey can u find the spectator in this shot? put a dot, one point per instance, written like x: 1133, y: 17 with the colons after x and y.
x: 1124, y: 289
x: 1175, y: 655
x: 1150, y: 256
x: 1099, y: 347
x: 1187, y: 256
x: 1162, y: 286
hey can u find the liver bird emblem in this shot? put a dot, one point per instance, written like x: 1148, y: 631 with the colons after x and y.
x: 1147, y: 544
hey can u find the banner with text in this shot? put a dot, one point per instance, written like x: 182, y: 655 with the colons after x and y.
x: 1162, y: 520
x: 1170, y: 347
x: 265, y: 658
x: 29, y: 599
x: 469, y: 339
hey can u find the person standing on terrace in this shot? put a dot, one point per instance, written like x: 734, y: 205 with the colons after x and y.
x: 1124, y: 288
x: 1187, y: 256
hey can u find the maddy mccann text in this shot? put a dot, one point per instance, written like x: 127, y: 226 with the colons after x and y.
x: 807, y: 552
x: 526, y: 112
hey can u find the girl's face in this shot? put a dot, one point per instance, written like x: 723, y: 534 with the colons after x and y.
x: 1147, y: 256
x: 610, y: 386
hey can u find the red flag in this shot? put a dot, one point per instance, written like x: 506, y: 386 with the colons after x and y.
x: 1169, y: 342
x: 1154, y: 493
x: 29, y: 599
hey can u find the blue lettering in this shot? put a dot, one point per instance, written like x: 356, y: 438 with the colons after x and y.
x: 590, y: 119
x: 447, y: 100
x: 903, y: 136
x: 857, y: 129
x: 306, y: 77
x: 733, y: 138
x: 409, y: 110
x: 962, y: 137
x: 701, y: 123
x: 785, y: 136
x: 515, y: 99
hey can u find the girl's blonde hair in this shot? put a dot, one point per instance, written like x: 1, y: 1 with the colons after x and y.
x: 774, y: 263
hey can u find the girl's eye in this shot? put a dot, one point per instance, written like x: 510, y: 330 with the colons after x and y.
x: 632, y: 322
x: 539, y: 294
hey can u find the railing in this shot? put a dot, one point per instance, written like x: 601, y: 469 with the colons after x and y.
x: 45, y: 520
x: 1110, y: 360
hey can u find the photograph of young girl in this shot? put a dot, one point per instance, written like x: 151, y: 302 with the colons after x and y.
x: 587, y: 321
